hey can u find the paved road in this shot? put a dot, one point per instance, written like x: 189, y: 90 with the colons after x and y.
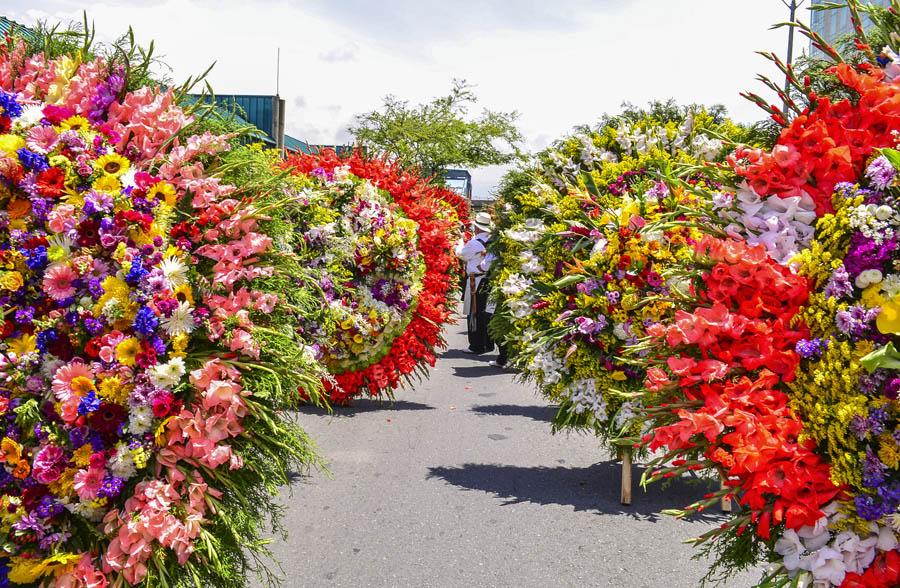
x: 460, y: 483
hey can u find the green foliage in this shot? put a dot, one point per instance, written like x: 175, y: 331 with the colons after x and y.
x: 438, y: 135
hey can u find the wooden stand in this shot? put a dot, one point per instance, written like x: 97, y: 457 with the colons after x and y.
x: 625, y: 455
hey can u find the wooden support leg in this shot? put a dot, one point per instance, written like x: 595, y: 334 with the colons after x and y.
x: 726, y: 502
x: 626, y: 476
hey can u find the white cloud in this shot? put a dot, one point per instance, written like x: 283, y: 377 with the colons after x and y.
x: 558, y: 69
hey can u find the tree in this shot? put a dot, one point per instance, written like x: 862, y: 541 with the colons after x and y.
x: 438, y: 135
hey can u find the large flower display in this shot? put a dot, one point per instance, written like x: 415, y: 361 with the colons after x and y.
x: 386, y: 238
x: 144, y: 353
x: 584, y: 257
x: 782, y: 377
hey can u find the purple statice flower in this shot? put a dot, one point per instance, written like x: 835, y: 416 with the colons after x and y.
x: 880, y: 173
x: 110, y: 487
x: 36, y: 259
x: 856, y: 321
x: 864, y: 253
x: 587, y: 287
x: 876, y: 421
x: 839, y: 285
x: 871, y: 384
x: 40, y: 208
x: 93, y: 326
x: 24, y: 316
x: 49, y: 508
x: 77, y: 436
x: 873, y: 471
x: 890, y: 495
x: 868, y: 507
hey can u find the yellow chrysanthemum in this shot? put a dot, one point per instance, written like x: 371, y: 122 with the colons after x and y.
x: 82, y: 455
x: 9, y: 144
x: 111, y: 389
x: 127, y: 351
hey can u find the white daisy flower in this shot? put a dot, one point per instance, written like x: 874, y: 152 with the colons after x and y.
x: 175, y: 270
x: 180, y: 321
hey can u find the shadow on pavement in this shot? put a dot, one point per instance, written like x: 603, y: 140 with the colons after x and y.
x: 537, y: 413
x: 460, y: 354
x: 363, y: 405
x: 594, y: 488
x: 477, y: 371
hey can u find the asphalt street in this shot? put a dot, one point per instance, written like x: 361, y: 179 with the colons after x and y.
x: 460, y: 483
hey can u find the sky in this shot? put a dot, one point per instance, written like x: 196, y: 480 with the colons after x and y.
x: 558, y: 64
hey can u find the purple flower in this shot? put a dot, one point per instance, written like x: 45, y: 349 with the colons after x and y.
x: 880, y: 173
x: 856, y: 322
x: 587, y: 287
x: 110, y: 487
x: 811, y: 348
x: 864, y: 253
x: 868, y: 507
x: 613, y: 297
x: 839, y: 285
x: 873, y: 471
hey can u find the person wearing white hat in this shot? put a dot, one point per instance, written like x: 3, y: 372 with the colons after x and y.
x: 478, y: 261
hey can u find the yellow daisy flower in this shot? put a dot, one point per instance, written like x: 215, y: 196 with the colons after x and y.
x: 24, y: 344
x: 75, y: 123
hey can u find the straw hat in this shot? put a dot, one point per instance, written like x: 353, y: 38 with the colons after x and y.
x: 483, y: 221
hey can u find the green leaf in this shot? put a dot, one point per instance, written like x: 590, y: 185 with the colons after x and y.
x: 885, y: 357
x: 568, y: 281
x: 893, y: 156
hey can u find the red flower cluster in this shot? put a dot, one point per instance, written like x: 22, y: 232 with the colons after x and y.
x: 827, y: 145
x: 422, y: 203
x: 727, y: 360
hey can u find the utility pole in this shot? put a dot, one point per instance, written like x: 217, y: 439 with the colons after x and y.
x: 793, y: 5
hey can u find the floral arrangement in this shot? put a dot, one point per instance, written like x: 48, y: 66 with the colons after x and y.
x: 584, y: 259
x: 144, y: 357
x: 388, y: 242
x: 780, y: 378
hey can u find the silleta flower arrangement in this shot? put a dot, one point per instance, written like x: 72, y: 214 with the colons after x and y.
x: 584, y: 257
x: 782, y: 377
x: 387, y: 237
x: 143, y: 360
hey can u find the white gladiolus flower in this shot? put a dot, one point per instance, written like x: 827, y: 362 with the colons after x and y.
x: 515, y: 285
x: 790, y: 548
x: 828, y: 565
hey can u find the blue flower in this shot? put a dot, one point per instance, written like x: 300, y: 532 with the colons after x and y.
x: 89, y: 403
x: 145, y: 321
x: 10, y: 107
x: 33, y: 161
x: 45, y: 339
x: 137, y: 272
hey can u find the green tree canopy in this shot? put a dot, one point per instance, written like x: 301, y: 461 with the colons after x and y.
x: 440, y: 134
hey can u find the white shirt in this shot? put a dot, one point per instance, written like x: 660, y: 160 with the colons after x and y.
x: 474, y: 253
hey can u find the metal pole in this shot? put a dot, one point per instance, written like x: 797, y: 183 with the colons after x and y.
x: 793, y: 6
